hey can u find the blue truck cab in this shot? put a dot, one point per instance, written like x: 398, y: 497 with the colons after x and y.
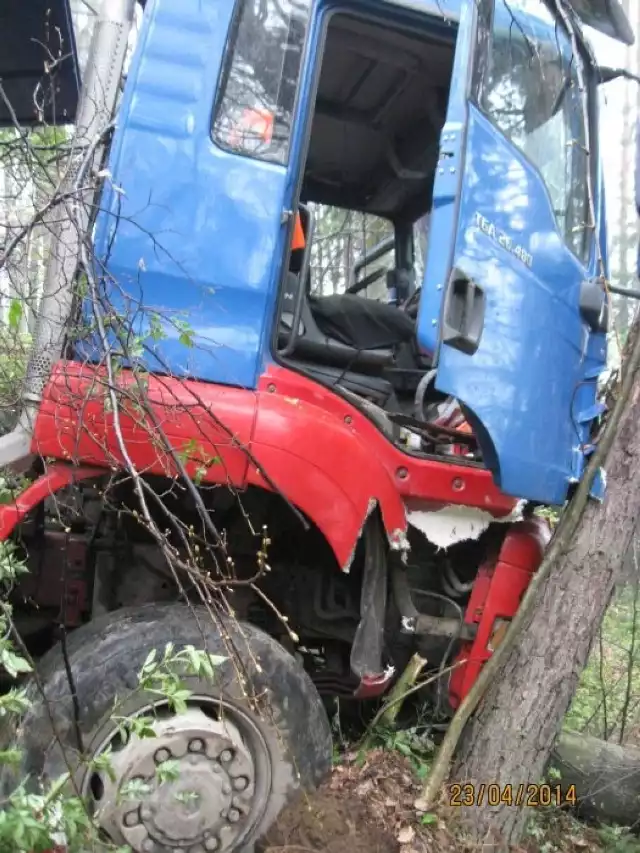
x: 239, y: 116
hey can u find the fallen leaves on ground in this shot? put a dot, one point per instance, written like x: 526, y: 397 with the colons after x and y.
x: 373, y: 805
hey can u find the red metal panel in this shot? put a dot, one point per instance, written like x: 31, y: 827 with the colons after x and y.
x: 496, y: 595
x: 210, y: 421
x: 323, y: 454
x: 56, y: 477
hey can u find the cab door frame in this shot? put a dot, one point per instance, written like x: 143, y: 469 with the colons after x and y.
x: 472, y: 290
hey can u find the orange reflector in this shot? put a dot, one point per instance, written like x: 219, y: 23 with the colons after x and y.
x: 498, y: 632
x: 298, y: 234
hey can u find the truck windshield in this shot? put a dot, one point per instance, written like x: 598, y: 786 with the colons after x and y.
x: 531, y: 91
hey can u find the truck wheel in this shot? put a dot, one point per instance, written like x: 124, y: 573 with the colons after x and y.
x: 234, y: 765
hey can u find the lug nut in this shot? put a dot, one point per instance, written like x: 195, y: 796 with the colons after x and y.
x: 226, y: 755
x: 241, y: 783
x: 162, y: 755
x: 233, y: 816
x: 132, y: 818
x: 196, y: 745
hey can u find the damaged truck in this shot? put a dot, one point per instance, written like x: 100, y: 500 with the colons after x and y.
x: 216, y: 455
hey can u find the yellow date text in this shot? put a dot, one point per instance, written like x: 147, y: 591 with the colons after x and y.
x: 529, y: 796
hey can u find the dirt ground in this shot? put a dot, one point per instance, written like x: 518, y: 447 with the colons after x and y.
x: 374, y: 807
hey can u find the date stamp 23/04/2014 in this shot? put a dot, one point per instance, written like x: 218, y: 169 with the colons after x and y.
x: 511, y: 795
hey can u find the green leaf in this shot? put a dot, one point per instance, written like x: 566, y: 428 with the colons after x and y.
x: 428, y: 818
x: 156, y: 331
x: 143, y: 727
x: 13, y: 663
x: 135, y: 789
x: 186, y: 333
x: 10, y: 756
x: 104, y: 762
x: 178, y: 699
x: 15, y: 314
x: 168, y: 771
x: 15, y: 701
x: 403, y: 748
x: 149, y: 661
x: 136, y: 348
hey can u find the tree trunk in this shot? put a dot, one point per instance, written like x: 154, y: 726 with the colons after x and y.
x: 606, y: 777
x: 510, y: 738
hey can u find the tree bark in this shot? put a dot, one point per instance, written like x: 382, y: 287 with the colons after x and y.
x: 510, y: 738
x: 606, y: 777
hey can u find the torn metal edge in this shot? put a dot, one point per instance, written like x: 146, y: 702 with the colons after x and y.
x: 397, y: 538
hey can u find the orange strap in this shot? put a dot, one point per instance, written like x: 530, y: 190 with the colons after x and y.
x: 298, y: 235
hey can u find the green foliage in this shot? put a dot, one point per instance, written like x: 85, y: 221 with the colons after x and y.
x: 607, y: 702
x: 552, y: 515
x: 14, y: 354
x: 618, y: 839
x: 15, y: 315
x: 409, y: 742
x: 163, y: 677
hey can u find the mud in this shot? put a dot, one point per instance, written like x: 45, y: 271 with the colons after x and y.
x: 328, y: 822
x: 362, y: 808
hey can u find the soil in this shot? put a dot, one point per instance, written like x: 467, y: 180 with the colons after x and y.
x: 373, y: 806
x: 347, y: 814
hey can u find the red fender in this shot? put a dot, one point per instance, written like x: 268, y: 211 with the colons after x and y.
x: 303, y: 439
x: 58, y: 476
x: 331, y: 461
x: 318, y: 462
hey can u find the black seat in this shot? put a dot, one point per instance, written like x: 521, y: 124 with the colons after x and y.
x: 363, y: 324
x: 312, y: 343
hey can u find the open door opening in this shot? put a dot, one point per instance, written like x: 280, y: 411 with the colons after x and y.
x: 349, y: 305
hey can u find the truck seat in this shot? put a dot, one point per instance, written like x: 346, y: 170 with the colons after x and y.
x: 335, y: 346
x: 364, y: 324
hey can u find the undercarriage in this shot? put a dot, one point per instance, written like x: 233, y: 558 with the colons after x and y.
x: 88, y: 554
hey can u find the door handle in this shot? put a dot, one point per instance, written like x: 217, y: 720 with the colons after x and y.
x: 463, y: 316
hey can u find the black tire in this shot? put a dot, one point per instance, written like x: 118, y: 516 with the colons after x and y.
x: 105, y: 658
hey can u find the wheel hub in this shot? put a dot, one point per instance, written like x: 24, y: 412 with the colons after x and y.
x: 190, y: 789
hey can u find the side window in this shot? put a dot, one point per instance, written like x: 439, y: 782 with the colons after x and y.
x: 531, y: 91
x: 257, y: 94
x: 340, y: 246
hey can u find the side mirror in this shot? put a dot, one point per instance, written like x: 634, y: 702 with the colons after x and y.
x: 606, y: 16
x: 606, y: 74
